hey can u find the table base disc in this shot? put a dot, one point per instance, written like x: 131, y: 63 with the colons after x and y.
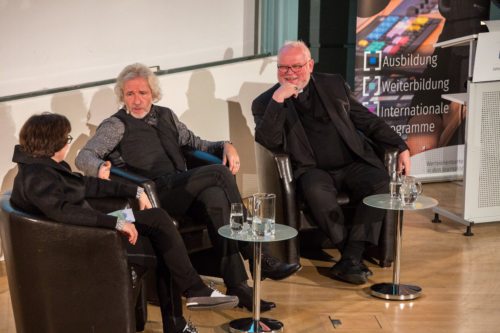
x: 396, y: 292
x: 245, y: 325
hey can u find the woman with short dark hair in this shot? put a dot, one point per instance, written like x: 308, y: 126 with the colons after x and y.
x: 46, y: 185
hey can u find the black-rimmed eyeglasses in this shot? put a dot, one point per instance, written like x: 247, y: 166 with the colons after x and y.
x: 283, y: 69
x: 70, y: 138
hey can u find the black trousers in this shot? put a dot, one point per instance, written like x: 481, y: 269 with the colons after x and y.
x: 205, y: 194
x: 319, y: 189
x: 173, y: 264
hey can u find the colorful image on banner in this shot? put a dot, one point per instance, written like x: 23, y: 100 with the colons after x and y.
x: 401, y: 77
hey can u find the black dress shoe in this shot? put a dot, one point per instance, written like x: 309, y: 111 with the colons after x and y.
x: 365, y: 269
x: 348, y: 271
x: 275, y: 269
x: 245, y: 296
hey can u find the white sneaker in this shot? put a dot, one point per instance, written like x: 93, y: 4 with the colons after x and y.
x: 190, y: 328
x: 216, y: 300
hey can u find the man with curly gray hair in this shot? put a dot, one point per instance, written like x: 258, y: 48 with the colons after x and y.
x: 148, y: 139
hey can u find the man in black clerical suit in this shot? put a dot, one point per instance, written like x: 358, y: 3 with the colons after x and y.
x: 316, y: 119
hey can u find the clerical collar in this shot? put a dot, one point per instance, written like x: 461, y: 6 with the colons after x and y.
x: 303, y: 94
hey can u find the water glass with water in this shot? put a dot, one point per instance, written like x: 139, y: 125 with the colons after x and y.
x: 263, y: 222
x: 248, y: 204
x: 236, y: 218
x: 395, y: 184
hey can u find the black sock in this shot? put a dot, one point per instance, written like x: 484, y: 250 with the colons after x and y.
x: 199, y: 290
x: 180, y: 325
x: 246, y: 250
x: 242, y: 286
x: 353, y: 250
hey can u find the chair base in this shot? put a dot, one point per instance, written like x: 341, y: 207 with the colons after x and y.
x: 246, y: 325
x: 396, y: 292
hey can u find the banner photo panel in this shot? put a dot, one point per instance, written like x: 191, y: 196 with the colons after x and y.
x: 401, y: 77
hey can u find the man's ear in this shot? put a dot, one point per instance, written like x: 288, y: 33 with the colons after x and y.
x: 311, y: 65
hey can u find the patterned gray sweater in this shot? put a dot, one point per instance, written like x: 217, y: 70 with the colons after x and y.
x: 110, y: 133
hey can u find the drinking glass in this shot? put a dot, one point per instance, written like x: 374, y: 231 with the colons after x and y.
x: 264, y: 214
x: 236, y: 217
x: 248, y: 203
x: 395, y: 184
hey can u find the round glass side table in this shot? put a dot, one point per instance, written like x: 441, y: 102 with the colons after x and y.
x: 396, y: 290
x: 256, y: 323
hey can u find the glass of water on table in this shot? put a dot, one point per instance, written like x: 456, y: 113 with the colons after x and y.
x: 264, y: 214
x: 236, y: 218
x: 395, y: 184
x: 248, y: 205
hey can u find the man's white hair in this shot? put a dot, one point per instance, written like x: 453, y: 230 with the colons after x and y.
x: 296, y: 44
x: 134, y: 71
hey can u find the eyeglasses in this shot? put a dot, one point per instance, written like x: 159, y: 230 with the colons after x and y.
x: 70, y: 138
x: 283, y: 69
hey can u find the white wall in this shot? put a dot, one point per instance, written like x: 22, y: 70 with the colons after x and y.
x: 214, y: 102
x: 55, y: 43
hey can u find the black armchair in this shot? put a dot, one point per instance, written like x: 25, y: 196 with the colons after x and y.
x: 276, y: 176
x: 67, y: 278
x: 194, y: 234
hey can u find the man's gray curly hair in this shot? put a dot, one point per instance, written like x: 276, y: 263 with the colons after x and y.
x: 134, y: 71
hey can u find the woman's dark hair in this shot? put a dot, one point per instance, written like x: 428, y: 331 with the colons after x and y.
x: 44, y: 134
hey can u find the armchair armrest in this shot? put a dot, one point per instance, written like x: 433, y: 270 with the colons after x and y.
x: 195, y: 158
x: 146, y: 183
x: 391, y: 160
x: 275, y: 176
x: 287, y: 183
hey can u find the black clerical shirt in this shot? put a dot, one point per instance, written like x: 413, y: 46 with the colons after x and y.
x: 329, y: 148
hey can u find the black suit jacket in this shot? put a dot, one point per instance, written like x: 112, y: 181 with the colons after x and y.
x: 278, y: 128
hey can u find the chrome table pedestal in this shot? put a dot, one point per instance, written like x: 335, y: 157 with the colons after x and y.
x: 395, y: 290
x: 256, y: 323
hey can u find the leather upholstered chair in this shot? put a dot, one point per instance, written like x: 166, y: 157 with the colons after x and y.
x: 194, y: 234
x: 67, y: 278
x: 276, y: 176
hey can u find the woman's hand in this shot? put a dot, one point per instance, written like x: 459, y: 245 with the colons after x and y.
x: 104, y: 170
x: 130, y: 231
x: 144, y: 202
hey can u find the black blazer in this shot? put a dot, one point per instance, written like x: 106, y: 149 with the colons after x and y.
x: 44, y: 187
x: 278, y: 128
